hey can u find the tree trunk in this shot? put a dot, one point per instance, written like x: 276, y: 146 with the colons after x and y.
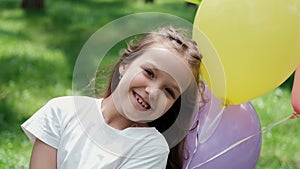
x: 32, y: 4
x: 149, y: 1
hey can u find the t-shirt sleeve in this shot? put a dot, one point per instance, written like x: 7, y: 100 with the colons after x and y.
x: 45, y: 125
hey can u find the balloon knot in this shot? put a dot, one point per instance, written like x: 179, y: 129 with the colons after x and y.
x: 294, y: 115
x: 224, y: 103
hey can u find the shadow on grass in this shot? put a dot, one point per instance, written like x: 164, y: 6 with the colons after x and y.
x: 67, y: 25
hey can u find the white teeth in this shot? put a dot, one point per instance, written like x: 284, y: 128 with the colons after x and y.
x: 142, y: 103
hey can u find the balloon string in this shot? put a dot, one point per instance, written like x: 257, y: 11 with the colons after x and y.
x: 213, y: 123
x: 196, y: 146
x: 243, y: 140
x: 275, y: 124
x: 208, y: 129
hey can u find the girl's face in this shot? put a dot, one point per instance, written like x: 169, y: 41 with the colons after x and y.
x: 151, y: 84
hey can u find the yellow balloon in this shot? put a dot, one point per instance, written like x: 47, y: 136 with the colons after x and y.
x: 256, y: 42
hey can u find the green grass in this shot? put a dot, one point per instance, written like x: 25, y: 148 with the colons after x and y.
x: 38, y: 50
x: 280, y: 144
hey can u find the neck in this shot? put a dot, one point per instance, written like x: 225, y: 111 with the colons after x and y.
x: 113, y: 118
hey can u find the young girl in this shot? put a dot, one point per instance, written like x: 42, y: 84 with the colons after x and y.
x: 152, y: 91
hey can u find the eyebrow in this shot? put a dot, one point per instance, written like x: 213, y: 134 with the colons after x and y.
x: 147, y: 63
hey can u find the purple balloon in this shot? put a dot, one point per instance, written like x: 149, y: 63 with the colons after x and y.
x: 231, y: 141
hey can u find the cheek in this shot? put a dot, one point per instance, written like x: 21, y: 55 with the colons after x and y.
x: 169, y: 104
x: 137, y: 80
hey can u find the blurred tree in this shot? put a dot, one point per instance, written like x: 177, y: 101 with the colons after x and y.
x: 149, y: 1
x: 32, y: 4
x: 196, y: 2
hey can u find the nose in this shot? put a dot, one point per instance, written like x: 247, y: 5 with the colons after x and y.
x: 153, y: 91
x: 156, y: 98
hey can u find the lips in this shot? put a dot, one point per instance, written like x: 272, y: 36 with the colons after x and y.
x: 142, y: 103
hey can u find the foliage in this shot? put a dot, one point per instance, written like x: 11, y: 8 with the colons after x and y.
x: 37, y: 55
x: 197, y: 2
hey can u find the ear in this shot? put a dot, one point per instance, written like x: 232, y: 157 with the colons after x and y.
x: 122, y: 69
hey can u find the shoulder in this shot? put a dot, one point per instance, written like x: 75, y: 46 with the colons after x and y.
x: 71, y: 100
x: 50, y: 121
x: 160, y: 143
x: 154, y: 143
x: 150, y: 152
x: 64, y: 108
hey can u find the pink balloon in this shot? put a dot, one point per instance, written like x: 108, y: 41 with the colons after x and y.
x: 223, y: 146
x: 296, y: 91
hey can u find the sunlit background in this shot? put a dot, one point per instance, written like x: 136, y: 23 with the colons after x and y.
x: 38, y: 49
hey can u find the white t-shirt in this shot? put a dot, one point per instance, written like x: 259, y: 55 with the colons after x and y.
x: 75, y: 126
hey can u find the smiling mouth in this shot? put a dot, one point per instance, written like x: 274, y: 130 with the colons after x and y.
x: 141, y: 101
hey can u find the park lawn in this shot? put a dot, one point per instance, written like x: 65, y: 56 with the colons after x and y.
x: 38, y: 50
x: 280, y: 149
